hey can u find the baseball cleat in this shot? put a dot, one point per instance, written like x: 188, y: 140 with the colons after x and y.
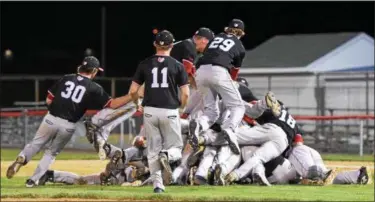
x: 102, y: 153
x: 15, y: 166
x: 193, y: 158
x: 230, y: 178
x: 363, y: 176
x: 329, y: 176
x: 47, y: 177
x: 194, y: 134
x: 158, y: 190
x: 167, y: 170
x: 30, y: 183
x: 232, y: 141
x: 199, y: 180
x: 273, y: 104
x: 260, y: 179
x: 219, y: 177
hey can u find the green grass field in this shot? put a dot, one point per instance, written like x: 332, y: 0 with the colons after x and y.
x: 15, y: 189
x: 87, y: 163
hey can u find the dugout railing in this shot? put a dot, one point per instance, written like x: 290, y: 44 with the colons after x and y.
x: 328, y: 134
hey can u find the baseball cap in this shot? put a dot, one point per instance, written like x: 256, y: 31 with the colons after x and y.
x: 237, y: 24
x: 91, y: 62
x: 243, y: 80
x: 164, y: 38
x: 205, y: 32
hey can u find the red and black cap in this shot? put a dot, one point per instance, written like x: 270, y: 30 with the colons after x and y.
x: 164, y: 38
x: 237, y: 24
x: 205, y: 32
x: 90, y: 62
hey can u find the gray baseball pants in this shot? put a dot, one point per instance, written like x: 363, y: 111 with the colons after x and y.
x: 53, y: 133
x: 163, y: 133
x: 70, y: 178
x: 346, y: 177
x: 214, y: 80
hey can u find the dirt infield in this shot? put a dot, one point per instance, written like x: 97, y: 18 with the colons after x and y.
x: 84, y: 167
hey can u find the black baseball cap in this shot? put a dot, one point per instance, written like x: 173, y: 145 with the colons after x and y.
x: 164, y: 38
x: 237, y: 24
x: 243, y: 80
x: 205, y: 32
x: 91, y: 62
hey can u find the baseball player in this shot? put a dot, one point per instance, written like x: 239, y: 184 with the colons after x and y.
x: 67, y: 100
x: 274, y: 132
x: 223, y: 54
x: 163, y: 77
x: 310, y: 166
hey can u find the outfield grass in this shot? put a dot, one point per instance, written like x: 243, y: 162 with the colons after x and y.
x: 15, y: 189
x: 10, y: 154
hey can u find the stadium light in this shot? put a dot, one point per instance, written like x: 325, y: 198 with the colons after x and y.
x: 8, y: 54
x: 88, y: 52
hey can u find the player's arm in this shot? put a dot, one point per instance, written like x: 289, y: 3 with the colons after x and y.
x: 101, y: 99
x: 138, y: 80
x: 52, y: 91
x: 183, y: 83
x: 237, y: 63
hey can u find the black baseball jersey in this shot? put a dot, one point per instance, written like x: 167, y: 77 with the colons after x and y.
x: 162, y: 75
x: 224, y: 50
x: 284, y: 121
x: 184, y: 50
x: 73, y: 94
x: 246, y: 93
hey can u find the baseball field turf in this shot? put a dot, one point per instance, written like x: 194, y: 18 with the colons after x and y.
x: 87, y: 163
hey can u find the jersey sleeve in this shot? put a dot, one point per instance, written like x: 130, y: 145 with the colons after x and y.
x: 53, y: 89
x: 139, y: 77
x: 182, y: 77
x: 100, y: 98
x: 237, y: 61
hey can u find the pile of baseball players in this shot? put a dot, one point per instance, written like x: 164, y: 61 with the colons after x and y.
x: 202, y: 125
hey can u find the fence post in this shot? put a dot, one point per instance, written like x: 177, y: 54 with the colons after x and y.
x: 26, y: 127
x: 361, y: 138
x: 122, y: 135
x: 113, y: 87
x: 36, y: 90
x: 269, y: 83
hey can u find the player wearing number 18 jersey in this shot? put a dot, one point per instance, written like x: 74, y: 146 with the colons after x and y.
x: 162, y: 76
x: 224, y: 54
x: 67, y: 101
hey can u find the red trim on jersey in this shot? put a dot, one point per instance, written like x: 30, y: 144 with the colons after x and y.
x: 50, y: 95
x: 249, y: 120
x: 108, y: 104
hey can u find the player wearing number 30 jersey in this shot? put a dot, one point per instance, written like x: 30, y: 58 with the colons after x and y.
x: 162, y: 76
x: 217, y: 71
x: 67, y: 101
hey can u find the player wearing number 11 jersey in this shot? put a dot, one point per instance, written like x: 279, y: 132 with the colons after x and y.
x: 67, y: 101
x: 162, y: 76
x: 216, y: 75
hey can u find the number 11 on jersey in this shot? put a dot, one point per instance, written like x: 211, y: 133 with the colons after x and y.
x: 164, y: 83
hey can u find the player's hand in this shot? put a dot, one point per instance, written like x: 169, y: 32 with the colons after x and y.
x: 140, y: 109
x: 184, y: 116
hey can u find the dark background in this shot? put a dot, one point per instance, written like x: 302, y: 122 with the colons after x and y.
x: 50, y: 38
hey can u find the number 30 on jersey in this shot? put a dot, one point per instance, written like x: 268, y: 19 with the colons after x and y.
x: 224, y: 45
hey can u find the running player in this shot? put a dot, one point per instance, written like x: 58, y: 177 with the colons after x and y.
x: 67, y: 100
x: 223, y: 55
x: 163, y: 77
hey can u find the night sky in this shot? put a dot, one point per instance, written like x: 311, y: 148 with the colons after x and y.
x: 50, y: 38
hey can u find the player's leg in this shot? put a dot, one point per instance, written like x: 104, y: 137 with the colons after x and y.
x: 228, y: 89
x: 182, y: 170
x: 170, y: 128
x: 226, y: 162
x: 63, y: 136
x: 201, y: 176
x: 56, y: 176
x: 301, y: 159
x: 283, y: 173
x: 154, y: 145
x: 264, y: 153
x: 359, y: 176
x: 256, y: 135
x: 46, y: 131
